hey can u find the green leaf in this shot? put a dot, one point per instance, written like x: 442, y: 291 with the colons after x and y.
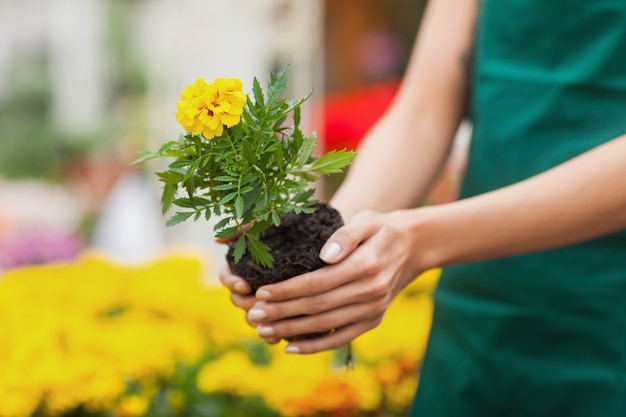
x: 294, y: 105
x: 260, y: 252
x: 249, y: 153
x: 225, y: 178
x: 275, y: 219
x: 180, y: 166
x: 184, y: 203
x: 279, y: 156
x: 279, y: 122
x: 189, y: 175
x: 305, y: 195
x: 200, y: 201
x: 297, y: 133
x: 179, y: 218
x: 170, y: 177
x: 308, y: 176
x: 257, y: 93
x: 168, y: 197
x: 239, y: 207
x: 333, y: 162
x: 249, y: 199
x: 240, y: 248
x: 228, y: 232
x: 167, y: 149
x: 224, y: 187
x: 227, y: 198
x: 145, y: 156
x: 306, y: 150
x: 277, y: 84
x: 222, y: 223
x: 190, y: 187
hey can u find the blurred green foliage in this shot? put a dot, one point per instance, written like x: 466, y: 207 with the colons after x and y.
x: 31, y: 144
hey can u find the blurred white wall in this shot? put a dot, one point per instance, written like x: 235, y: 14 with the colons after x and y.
x: 76, y: 42
x: 181, y: 41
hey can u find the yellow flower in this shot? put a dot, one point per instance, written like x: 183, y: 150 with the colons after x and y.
x: 233, y: 372
x: 206, y: 108
x: 310, y: 385
x: 400, y: 395
x: 133, y: 405
x: 141, y: 321
x: 18, y: 404
x: 82, y: 330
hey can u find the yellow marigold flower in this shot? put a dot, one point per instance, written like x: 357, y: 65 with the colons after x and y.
x: 413, y: 312
x: 225, y: 375
x: 206, y: 108
x: 133, y: 405
x: 400, y: 395
x: 17, y: 402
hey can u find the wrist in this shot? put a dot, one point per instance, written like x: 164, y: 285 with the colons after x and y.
x: 416, y: 228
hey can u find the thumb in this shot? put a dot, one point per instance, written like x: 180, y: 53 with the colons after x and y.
x: 347, y: 238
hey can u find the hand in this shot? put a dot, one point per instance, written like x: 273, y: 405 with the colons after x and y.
x: 240, y: 295
x: 239, y: 288
x: 370, y: 260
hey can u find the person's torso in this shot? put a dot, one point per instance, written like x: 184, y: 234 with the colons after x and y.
x: 549, y: 83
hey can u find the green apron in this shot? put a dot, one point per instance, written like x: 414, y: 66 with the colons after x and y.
x: 542, y: 334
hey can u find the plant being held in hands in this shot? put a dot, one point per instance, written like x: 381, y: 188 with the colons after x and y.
x: 244, y: 159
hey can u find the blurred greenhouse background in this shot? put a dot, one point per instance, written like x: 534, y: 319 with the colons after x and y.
x: 84, y: 86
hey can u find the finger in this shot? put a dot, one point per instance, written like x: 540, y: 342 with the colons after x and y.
x: 362, y: 264
x: 311, y: 283
x: 325, y: 322
x: 257, y: 313
x: 245, y: 302
x: 268, y: 338
x: 367, y: 289
x: 339, y: 338
x: 347, y: 238
x: 233, y: 282
x: 271, y: 341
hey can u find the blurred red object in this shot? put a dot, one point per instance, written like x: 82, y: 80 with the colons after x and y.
x: 346, y: 117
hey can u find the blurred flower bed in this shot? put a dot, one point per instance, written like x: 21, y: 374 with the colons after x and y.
x: 95, y: 338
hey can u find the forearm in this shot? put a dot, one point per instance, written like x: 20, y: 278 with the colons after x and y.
x: 578, y: 200
x: 392, y: 174
x: 403, y: 153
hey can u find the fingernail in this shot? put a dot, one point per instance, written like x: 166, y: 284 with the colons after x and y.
x: 292, y: 349
x: 265, y: 331
x: 256, y: 314
x: 263, y: 294
x: 330, y: 252
x: 241, y: 288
